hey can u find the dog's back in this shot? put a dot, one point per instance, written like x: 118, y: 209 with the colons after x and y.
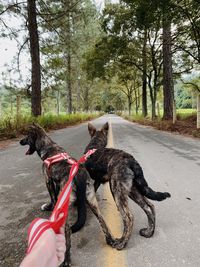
x: 106, y: 161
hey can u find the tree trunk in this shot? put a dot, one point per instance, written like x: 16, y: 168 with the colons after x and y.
x: 136, y: 106
x: 69, y: 68
x: 78, y: 94
x: 158, y: 109
x: 153, y: 97
x: 86, y: 99
x: 136, y: 100
x: 174, y: 112
x: 129, y: 107
x: 18, y: 100
x: 168, y: 85
x: 1, y: 113
x: 69, y: 85
x: 198, y: 110
x: 58, y: 102
x: 35, y: 59
x: 153, y: 110
x: 194, y: 104
x: 11, y: 105
x: 144, y: 76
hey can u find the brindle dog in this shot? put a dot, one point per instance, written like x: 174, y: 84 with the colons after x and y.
x: 126, y: 179
x: 83, y: 187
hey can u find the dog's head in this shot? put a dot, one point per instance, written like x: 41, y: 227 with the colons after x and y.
x: 34, y: 133
x: 99, y: 137
x: 93, y: 131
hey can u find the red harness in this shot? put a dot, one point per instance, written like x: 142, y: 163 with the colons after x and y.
x: 57, y: 158
x: 60, y: 211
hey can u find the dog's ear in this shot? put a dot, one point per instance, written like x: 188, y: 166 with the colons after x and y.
x: 36, y: 125
x: 105, y: 128
x: 91, y: 129
x: 36, y: 129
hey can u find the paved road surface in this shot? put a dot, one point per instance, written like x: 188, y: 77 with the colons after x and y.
x: 170, y: 163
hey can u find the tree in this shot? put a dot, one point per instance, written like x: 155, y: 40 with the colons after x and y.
x: 168, y: 84
x: 195, y: 85
x: 188, y: 42
x: 35, y: 58
x: 72, y: 27
x: 130, y: 82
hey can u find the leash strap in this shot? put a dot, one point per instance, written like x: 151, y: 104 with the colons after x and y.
x: 60, y: 211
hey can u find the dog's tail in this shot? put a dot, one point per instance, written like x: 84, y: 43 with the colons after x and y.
x: 81, y: 206
x: 142, y: 185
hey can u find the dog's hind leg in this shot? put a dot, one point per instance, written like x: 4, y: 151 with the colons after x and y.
x: 93, y: 204
x: 96, y: 185
x: 148, y: 209
x: 121, y: 199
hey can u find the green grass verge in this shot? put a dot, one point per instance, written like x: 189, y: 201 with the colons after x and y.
x: 11, y: 127
x: 185, y: 124
x: 183, y: 114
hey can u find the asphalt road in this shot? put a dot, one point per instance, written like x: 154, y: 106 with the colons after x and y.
x: 170, y: 163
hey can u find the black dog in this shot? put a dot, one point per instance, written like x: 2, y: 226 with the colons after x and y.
x: 126, y: 179
x: 83, y: 188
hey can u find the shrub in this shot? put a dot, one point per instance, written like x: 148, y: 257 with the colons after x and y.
x: 11, y: 127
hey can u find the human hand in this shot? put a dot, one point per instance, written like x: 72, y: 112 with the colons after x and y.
x: 48, y: 251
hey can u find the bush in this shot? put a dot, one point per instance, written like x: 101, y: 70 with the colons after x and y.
x: 11, y: 127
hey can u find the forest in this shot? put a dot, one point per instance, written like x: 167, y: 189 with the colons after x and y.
x: 139, y: 58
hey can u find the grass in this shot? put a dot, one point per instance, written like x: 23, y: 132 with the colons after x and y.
x: 185, y: 124
x: 11, y: 127
x: 183, y: 114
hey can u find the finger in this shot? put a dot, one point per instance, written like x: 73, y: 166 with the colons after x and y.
x: 60, y: 257
x: 62, y: 230
x: 60, y: 239
x: 60, y: 260
x: 61, y: 249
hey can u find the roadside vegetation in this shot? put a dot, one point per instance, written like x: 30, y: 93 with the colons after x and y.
x: 185, y: 123
x: 11, y: 127
x: 138, y: 57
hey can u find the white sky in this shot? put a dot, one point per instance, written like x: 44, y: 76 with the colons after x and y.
x: 9, y: 49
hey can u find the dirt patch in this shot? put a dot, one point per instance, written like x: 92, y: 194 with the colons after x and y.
x: 186, y: 126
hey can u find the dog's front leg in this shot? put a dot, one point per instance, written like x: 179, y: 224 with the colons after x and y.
x: 52, y: 192
x: 67, y: 260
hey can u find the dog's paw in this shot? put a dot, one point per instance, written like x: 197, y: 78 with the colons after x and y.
x: 47, y: 207
x: 117, y: 243
x: 110, y: 241
x: 66, y: 264
x: 146, y: 232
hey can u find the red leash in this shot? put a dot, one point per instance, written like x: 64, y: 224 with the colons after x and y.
x: 60, y: 211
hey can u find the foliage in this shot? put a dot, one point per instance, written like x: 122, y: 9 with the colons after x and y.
x: 11, y: 127
x: 183, y: 98
x: 56, y: 19
x: 104, y: 59
x: 186, y: 123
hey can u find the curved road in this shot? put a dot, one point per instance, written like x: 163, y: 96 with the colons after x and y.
x: 170, y: 163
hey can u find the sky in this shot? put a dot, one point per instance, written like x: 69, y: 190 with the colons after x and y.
x: 9, y: 49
